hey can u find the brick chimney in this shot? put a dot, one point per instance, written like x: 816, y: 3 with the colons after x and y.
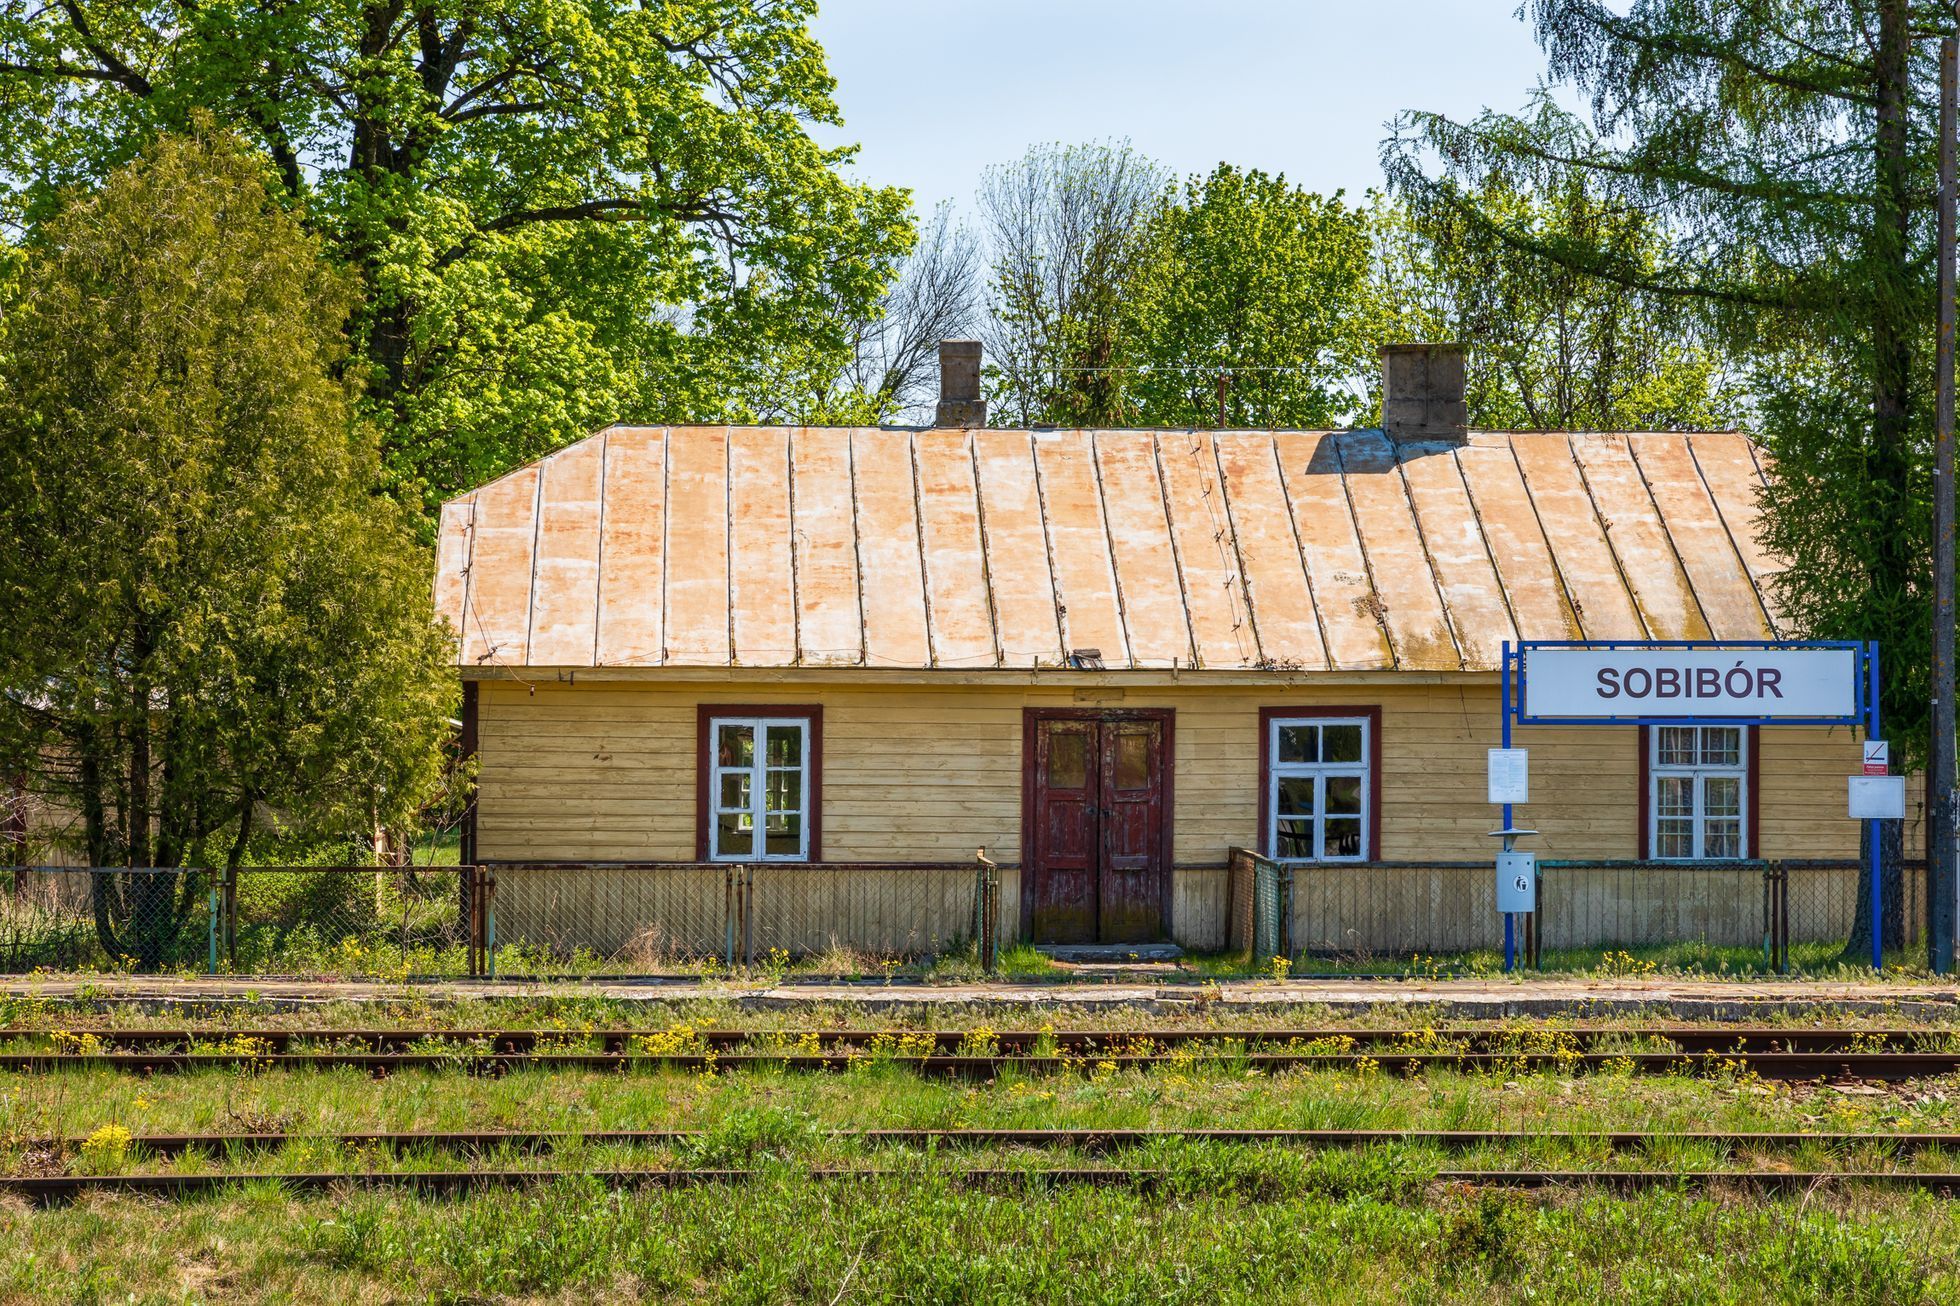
x: 960, y: 403
x: 1422, y: 393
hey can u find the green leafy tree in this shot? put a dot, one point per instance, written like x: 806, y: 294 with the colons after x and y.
x: 1551, y: 348
x: 1787, y: 148
x: 560, y: 212
x: 1069, y: 232
x: 205, y: 612
x: 1257, y: 281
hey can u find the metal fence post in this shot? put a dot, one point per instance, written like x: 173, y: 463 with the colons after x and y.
x: 213, y: 903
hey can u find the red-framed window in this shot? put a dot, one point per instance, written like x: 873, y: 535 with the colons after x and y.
x: 1320, y: 783
x: 1700, y: 788
x: 758, y: 783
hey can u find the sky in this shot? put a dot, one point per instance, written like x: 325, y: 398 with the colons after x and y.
x: 935, y: 90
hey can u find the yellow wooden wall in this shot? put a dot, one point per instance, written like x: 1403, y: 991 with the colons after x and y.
x: 604, y: 771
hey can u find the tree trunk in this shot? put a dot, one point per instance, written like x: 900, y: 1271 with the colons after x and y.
x: 1888, y: 253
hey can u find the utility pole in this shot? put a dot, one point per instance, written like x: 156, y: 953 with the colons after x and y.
x: 1224, y: 380
x: 1943, y: 885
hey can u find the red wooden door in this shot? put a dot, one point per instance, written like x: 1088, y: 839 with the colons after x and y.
x: 1068, y: 757
x: 1096, y: 864
x: 1130, y: 889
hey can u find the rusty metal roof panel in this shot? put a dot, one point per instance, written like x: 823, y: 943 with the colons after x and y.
x: 1694, y: 526
x: 1398, y: 564
x: 702, y: 546
x: 889, y: 546
x: 698, y: 607
x: 1454, y: 540
x: 959, y: 607
x: 1078, y: 544
x: 1344, y: 595
x: 829, y: 610
x: 1269, y: 551
x: 1532, y: 585
x: 1221, y: 622
x: 567, y: 568
x: 1140, y: 539
x: 631, y: 599
x: 1639, y: 538
x: 1017, y: 550
x: 1729, y: 468
x: 1601, y: 602
x: 453, y: 530
x: 762, y: 576
x: 497, y: 602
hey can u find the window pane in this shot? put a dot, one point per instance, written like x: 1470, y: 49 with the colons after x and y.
x: 1341, y: 744
x: 1296, y: 795
x: 1723, y: 838
x: 734, y: 835
x: 1344, y: 795
x: 1721, y: 746
x: 1343, y: 837
x: 735, y: 790
x: 1295, y: 838
x: 785, y: 790
x: 1674, y: 795
x: 785, y: 746
x: 1674, y: 838
x: 1677, y: 746
x: 785, y: 835
x: 1068, y: 759
x: 1132, y: 761
x: 1299, y: 743
x: 1721, y: 795
x: 735, y: 746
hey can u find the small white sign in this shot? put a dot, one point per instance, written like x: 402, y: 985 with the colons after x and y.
x: 1878, y: 757
x: 1509, y: 775
x: 1767, y: 683
x: 1877, y: 797
x: 1517, y: 882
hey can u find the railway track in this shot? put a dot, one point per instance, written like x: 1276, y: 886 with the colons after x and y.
x: 1689, y: 1039
x: 1071, y: 1139
x: 53, y: 1189
x: 1767, y: 1065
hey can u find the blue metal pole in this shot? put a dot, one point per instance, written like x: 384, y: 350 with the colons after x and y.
x: 1504, y: 730
x: 1872, y: 827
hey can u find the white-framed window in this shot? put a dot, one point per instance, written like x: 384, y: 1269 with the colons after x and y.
x: 1317, y: 788
x: 759, y: 789
x: 1698, y: 799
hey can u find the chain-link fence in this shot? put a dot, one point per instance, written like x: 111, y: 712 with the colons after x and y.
x: 1732, y: 915
x: 81, y: 918
x: 345, y: 920
x: 563, y: 918
x: 1259, y: 905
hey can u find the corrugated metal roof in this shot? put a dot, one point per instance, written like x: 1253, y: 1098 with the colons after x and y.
x: 1236, y: 550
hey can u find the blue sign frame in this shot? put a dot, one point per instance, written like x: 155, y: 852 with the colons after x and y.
x: 1512, y: 672
x: 1865, y: 690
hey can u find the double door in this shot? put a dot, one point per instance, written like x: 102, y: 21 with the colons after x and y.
x: 1096, y: 826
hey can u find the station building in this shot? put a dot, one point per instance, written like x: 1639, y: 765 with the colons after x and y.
x: 1109, y: 657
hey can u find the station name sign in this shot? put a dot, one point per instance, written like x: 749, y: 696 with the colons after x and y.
x: 1798, y: 683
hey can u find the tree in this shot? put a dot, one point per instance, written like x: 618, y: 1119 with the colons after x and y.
x: 893, y: 369
x: 1261, y: 282
x: 1787, y: 147
x: 207, y: 612
x: 560, y: 213
x: 1068, y: 231
x: 1552, y: 348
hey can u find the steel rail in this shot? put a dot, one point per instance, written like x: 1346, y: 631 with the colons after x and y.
x: 1077, y: 1138
x: 1768, y: 1065
x: 51, y: 1189
x: 1684, y: 1038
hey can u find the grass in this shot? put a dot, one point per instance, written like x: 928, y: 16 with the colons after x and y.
x: 1334, y: 1234
x: 1230, y: 1224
